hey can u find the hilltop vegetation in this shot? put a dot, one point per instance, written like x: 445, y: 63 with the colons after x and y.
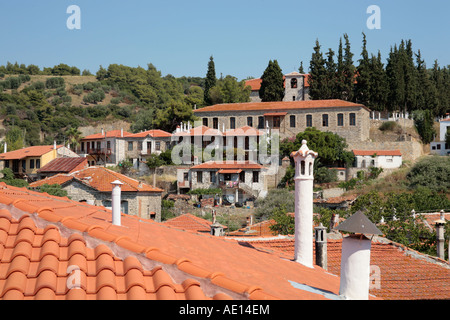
x: 46, y: 104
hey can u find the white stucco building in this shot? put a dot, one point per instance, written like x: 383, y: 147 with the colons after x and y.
x: 438, y: 146
x: 386, y: 159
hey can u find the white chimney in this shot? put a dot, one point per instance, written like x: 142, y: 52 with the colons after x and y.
x: 54, y: 144
x: 103, y: 132
x: 304, y: 180
x: 355, y: 257
x: 440, y: 238
x: 121, y: 132
x: 116, y: 195
x: 5, y: 147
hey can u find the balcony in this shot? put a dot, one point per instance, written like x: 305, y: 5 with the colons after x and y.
x: 106, y: 151
x: 229, y: 184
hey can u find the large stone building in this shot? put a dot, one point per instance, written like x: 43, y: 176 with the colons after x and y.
x: 93, y: 185
x: 347, y: 119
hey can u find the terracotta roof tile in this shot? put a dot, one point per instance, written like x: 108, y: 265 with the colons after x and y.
x: 98, y: 178
x: 405, y: 273
x: 34, y: 151
x: 279, y: 106
x: 228, y: 165
x: 152, y: 133
x: 108, y: 134
x: 377, y: 152
x: 226, y: 268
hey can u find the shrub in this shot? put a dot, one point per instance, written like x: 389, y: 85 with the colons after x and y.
x: 432, y: 172
x: 54, y: 82
x: 388, y: 126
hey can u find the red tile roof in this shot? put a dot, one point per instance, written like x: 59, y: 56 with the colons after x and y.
x: 377, y: 152
x: 108, y: 134
x: 152, y: 133
x: 405, y: 273
x: 64, y: 165
x: 42, y: 264
x: 190, y: 222
x: 255, y: 84
x: 279, y: 105
x: 228, y: 165
x: 223, y: 267
x: 200, y: 131
x: 100, y: 179
x: 34, y: 151
x: 244, y: 131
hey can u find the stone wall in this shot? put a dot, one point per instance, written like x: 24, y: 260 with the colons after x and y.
x: 139, y: 204
x: 358, y: 132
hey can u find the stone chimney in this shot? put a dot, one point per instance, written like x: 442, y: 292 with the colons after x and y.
x: 355, y: 257
x: 321, y: 246
x: 304, y: 180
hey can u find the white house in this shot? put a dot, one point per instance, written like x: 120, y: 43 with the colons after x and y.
x: 439, y: 146
x: 386, y: 159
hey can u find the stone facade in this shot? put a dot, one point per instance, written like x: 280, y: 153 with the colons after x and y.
x: 134, y: 203
x: 351, y: 123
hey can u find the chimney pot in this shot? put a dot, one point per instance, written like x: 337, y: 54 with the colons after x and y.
x: 321, y: 246
x: 116, y: 201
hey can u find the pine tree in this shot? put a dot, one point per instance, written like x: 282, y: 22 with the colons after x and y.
x: 348, y: 71
x: 363, y: 79
x: 272, y: 83
x: 317, y: 74
x: 210, y: 80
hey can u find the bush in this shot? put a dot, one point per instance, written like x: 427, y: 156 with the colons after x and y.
x: 388, y: 126
x: 54, y: 82
x: 432, y: 172
x: 325, y: 175
x: 275, y: 199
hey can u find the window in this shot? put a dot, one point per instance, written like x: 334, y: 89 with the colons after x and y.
x: 340, y: 119
x: 185, y: 176
x: 82, y: 146
x: 6, y: 163
x: 130, y: 145
x: 438, y: 146
x: 38, y: 163
x: 140, y: 145
x: 260, y: 122
x: 212, y: 176
x: 31, y: 163
x: 294, y: 83
x: 309, y: 120
x: 205, y: 122
x: 255, y: 176
x: 215, y: 123
x: 325, y: 120
x: 292, y: 121
x: 99, y: 145
x: 352, y: 117
x: 276, y: 122
x: 108, y: 144
x: 232, y: 123
x: 157, y: 145
x: 250, y: 121
x: 242, y: 176
x: 293, y: 98
x: 199, y: 176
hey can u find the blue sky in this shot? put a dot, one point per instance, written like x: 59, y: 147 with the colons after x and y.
x: 178, y: 37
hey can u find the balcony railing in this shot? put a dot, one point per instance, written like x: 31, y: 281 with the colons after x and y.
x: 99, y: 151
x: 229, y: 184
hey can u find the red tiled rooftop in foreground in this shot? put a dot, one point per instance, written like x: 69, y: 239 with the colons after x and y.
x: 223, y: 266
x: 405, y: 273
x: 190, y: 222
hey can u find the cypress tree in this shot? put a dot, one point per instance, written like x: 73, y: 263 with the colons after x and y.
x: 396, y: 81
x: 378, y: 84
x: 272, y: 83
x: 363, y: 79
x: 301, y: 70
x: 340, y: 71
x: 410, y: 74
x: 317, y: 74
x: 348, y: 71
x: 330, y: 89
x: 210, y: 80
